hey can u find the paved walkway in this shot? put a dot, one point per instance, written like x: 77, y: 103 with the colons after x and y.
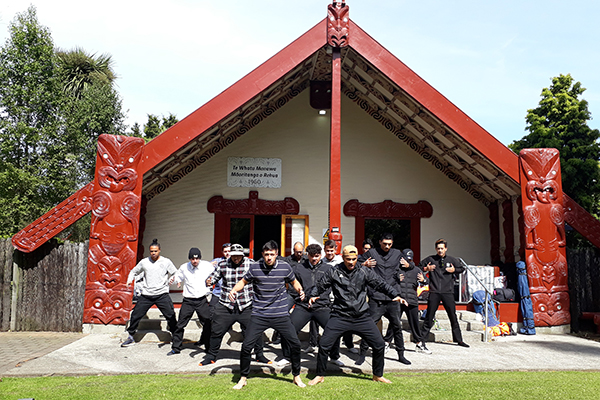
x: 18, y: 348
x: 44, y: 354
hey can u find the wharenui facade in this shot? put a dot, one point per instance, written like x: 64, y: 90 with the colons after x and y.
x: 333, y: 136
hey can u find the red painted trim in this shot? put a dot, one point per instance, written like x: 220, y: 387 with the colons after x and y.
x: 415, y: 237
x: 494, y: 233
x: 225, y: 209
x: 222, y: 233
x: 335, y: 180
x: 389, y: 210
x: 434, y: 101
x: 509, y: 233
x: 236, y: 95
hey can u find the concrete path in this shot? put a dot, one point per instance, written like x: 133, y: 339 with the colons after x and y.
x: 45, y: 354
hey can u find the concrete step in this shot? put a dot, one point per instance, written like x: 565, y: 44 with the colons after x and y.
x: 153, y: 328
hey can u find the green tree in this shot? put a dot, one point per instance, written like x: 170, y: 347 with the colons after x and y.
x: 53, y: 107
x: 155, y: 126
x: 560, y: 121
x: 30, y: 141
x: 79, y: 71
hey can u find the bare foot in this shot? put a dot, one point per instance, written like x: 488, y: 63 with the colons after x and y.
x: 298, y: 381
x: 381, y: 379
x: 241, y: 383
x: 316, y: 380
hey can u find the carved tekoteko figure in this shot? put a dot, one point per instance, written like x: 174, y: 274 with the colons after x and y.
x: 114, y: 231
x: 338, y: 22
x: 545, y: 236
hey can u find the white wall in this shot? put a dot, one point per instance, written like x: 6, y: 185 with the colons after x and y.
x: 375, y: 166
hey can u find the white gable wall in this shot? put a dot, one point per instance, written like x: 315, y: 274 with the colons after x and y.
x: 376, y: 166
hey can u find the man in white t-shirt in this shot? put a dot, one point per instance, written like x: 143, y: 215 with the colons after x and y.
x: 193, y: 274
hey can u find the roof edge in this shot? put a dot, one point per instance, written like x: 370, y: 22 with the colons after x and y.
x: 434, y: 101
x: 234, y: 96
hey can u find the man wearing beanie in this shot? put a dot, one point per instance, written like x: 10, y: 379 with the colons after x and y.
x: 350, y: 312
x: 193, y: 274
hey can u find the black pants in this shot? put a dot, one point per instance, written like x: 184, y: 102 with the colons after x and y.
x: 362, y: 326
x: 164, y: 304
x: 433, y: 303
x: 255, y: 331
x: 300, y: 317
x: 223, y: 319
x: 390, y: 310
x: 189, y: 306
x: 412, y: 314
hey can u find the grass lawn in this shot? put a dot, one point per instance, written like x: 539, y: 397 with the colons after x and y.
x: 472, y: 385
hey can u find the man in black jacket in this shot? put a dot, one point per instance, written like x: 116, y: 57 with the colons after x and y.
x: 441, y: 268
x: 349, y: 313
x: 308, y: 273
x: 385, y: 262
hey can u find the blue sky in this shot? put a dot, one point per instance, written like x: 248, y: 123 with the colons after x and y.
x: 490, y: 58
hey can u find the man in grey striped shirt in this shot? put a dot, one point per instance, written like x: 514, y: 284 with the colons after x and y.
x: 270, y: 308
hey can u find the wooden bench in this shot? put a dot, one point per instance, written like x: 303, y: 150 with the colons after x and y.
x: 594, y: 316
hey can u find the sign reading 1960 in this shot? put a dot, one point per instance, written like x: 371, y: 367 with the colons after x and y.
x: 254, y: 172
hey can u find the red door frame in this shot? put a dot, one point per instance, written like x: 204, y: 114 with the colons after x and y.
x: 389, y: 209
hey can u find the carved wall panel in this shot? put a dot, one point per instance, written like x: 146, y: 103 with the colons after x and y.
x: 114, y: 232
x: 253, y: 205
x: 543, y: 216
x: 338, y: 23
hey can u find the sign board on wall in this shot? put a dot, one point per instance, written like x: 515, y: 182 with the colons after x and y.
x: 254, y: 172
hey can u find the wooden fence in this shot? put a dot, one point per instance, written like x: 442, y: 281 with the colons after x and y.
x: 42, y: 290
x: 584, y: 285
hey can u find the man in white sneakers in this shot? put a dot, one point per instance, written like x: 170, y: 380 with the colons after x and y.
x: 193, y: 274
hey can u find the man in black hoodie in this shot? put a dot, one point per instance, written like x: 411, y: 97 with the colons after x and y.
x: 441, y: 268
x: 308, y: 272
x: 410, y: 278
x: 385, y: 262
x: 349, y: 313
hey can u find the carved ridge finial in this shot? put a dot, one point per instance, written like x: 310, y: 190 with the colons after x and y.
x: 338, y: 22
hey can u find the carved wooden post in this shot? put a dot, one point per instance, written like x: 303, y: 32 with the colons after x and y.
x: 338, y: 24
x: 543, y: 212
x: 114, y: 234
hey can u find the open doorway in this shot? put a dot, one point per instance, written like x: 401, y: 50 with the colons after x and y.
x: 400, y: 228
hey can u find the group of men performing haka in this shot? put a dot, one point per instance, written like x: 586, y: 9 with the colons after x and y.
x: 344, y: 296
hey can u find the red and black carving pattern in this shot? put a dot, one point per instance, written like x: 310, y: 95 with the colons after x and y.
x: 543, y: 217
x: 54, y: 221
x: 253, y: 205
x: 338, y: 23
x: 581, y: 220
x: 114, y: 230
x: 425, y: 135
x: 549, y: 309
x: 388, y: 209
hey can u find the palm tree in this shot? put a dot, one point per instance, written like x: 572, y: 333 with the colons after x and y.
x: 79, y: 70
